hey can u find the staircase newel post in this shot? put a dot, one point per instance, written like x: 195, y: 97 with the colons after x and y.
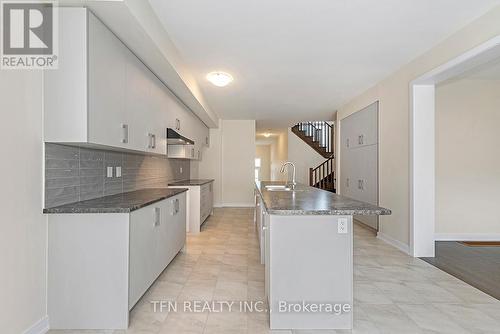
x: 310, y: 177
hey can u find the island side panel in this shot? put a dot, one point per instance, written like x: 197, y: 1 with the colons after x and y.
x: 88, y: 271
x: 310, y: 261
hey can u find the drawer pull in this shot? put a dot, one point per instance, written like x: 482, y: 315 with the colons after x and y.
x: 157, y: 216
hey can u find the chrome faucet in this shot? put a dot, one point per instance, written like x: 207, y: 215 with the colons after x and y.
x: 282, y: 170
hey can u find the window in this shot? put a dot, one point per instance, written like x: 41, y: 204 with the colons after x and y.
x: 257, y: 168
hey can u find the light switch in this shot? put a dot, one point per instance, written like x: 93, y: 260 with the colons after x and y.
x: 118, y: 171
x: 109, y: 172
x: 342, y: 225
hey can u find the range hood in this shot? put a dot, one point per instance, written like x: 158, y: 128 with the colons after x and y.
x: 174, y: 138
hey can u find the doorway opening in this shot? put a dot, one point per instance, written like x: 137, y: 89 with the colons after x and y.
x: 423, y: 143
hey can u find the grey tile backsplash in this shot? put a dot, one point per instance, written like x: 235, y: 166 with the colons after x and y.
x: 74, y: 174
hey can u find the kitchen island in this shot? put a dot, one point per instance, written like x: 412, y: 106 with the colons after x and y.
x: 306, y: 237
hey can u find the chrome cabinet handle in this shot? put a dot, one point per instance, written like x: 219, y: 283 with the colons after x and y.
x: 347, y: 182
x: 153, y: 139
x: 361, y: 139
x: 347, y: 142
x: 150, y: 140
x: 361, y: 184
x: 175, y: 207
x: 157, y: 216
x: 125, y: 133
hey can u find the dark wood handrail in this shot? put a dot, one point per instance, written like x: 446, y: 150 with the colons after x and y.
x: 321, y: 132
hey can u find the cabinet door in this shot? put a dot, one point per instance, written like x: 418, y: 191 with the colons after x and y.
x: 177, y: 225
x: 363, y: 125
x: 211, y: 197
x: 158, y: 122
x: 106, y: 96
x: 65, y: 105
x: 144, y: 228
x: 138, y: 104
x: 204, y: 202
x: 345, y: 180
x: 173, y: 235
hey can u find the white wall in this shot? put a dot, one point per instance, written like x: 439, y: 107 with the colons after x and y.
x: 230, y: 160
x: 303, y: 156
x: 279, y: 155
x: 393, y: 95
x: 264, y: 153
x: 23, y: 228
x: 467, y: 157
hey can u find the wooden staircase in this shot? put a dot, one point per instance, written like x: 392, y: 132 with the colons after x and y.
x: 321, y: 137
x: 323, y: 176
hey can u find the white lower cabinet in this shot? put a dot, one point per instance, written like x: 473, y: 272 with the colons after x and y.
x: 200, y: 204
x: 99, y: 265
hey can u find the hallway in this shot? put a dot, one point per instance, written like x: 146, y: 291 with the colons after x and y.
x: 394, y: 293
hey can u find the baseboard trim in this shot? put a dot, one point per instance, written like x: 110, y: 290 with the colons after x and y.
x: 393, y: 242
x: 40, y: 327
x: 467, y: 236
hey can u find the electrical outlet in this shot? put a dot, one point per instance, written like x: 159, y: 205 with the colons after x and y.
x: 118, y: 171
x: 342, y: 225
x: 109, y: 172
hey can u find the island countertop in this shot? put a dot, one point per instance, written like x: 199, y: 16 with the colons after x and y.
x: 306, y: 200
x: 120, y: 203
x: 191, y: 182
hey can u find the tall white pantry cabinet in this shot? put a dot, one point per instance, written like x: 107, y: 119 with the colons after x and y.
x: 103, y: 95
x: 359, y: 159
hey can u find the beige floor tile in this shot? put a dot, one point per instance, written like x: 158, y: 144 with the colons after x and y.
x: 394, y: 293
x: 429, y: 317
x: 230, y: 290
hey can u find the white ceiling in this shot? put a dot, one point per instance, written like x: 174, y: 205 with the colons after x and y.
x: 301, y: 60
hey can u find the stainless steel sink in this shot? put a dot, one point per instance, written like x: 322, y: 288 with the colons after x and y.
x: 279, y: 187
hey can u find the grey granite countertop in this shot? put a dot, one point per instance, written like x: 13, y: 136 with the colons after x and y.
x: 121, y: 203
x: 307, y: 200
x: 191, y: 182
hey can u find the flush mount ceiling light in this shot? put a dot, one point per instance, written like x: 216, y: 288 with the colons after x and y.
x: 219, y: 79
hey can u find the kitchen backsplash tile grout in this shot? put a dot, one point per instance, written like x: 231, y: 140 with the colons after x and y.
x: 73, y: 174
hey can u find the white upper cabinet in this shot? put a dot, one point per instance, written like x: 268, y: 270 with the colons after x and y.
x: 107, y: 57
x: 103, y: 95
